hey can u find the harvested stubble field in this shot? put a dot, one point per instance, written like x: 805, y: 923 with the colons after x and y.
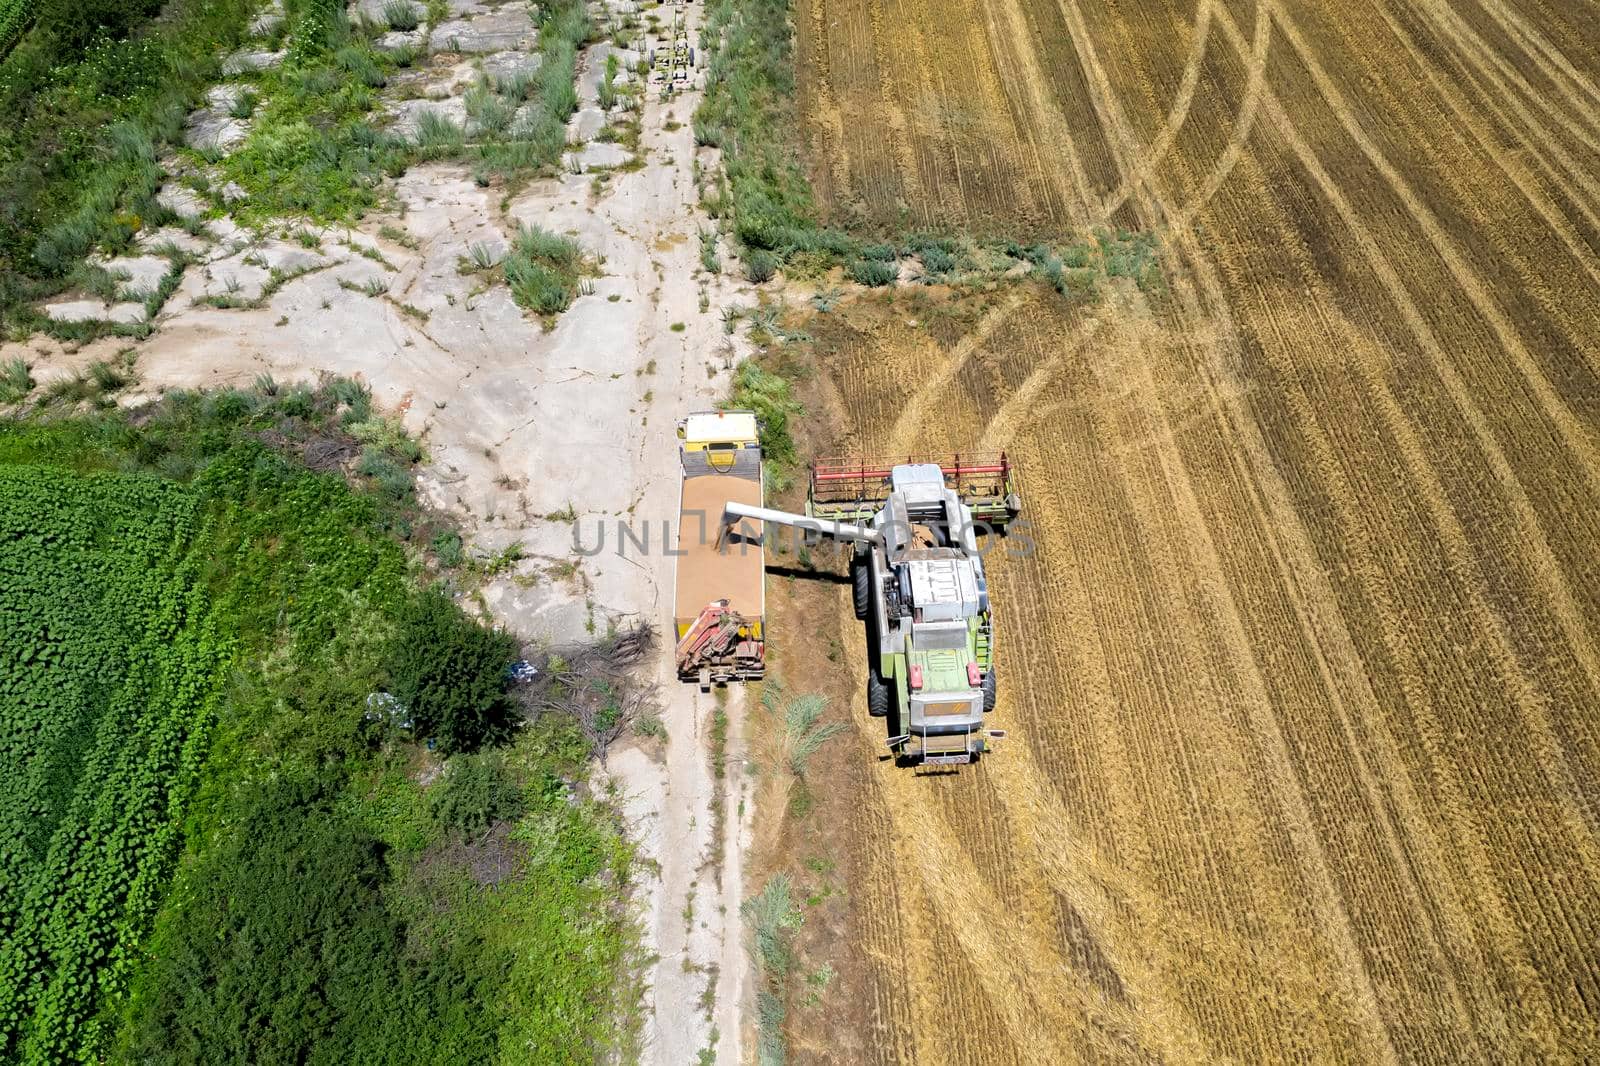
x: 1303, y: 679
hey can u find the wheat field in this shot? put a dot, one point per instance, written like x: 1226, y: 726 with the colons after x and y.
x: 1302, y: 680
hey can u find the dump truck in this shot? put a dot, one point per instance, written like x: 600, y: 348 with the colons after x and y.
x: 719, y: 595
x: 918, y: 583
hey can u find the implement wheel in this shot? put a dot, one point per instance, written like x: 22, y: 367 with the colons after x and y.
x: 878, y: 695
x: 861, y: 587
x: 989, y: 690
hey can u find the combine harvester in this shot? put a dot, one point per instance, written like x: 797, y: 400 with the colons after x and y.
x: 918, y: 583
x: 916, y: 574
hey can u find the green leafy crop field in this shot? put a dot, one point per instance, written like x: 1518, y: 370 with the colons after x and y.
x: 107, y: 690
x: 213, y: 848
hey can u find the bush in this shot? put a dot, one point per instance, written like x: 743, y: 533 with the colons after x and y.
x: 244, y: 104
x: 287, y: 952
x: 319, y: 25
x: 401, y: 15
x: 475, y: 792
x: 358, y: 62
x: 15, y: 380
x: 538, y: 287
x: 535, y: 242
x: 874, y: 272
x: 446, y: 545
x: 771, y: 397
x: 936, y: 260
x: 760, y: 265
x: 542, y: 270
x: 450, y: 673
x: 393, y: 478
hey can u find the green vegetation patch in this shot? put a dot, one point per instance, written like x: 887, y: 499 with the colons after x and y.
x: 771, y: 396
x: 747, y: 111
x: 231, y: 687
x: 544, y: 270
x: 113, y: 663
x: 90, y: 91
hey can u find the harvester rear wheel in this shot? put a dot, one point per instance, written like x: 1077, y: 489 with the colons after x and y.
x: 861, y: 587
x: 989, y: 690
x: 878, y: 695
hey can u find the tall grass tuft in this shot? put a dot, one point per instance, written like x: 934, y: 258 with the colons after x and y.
x: 15, y: 381
x: 760, y: 265
x: 483, y: 256
x: 401, y: 15
x: 438, y: 135
x: 874, y: 272
x: 542, y: 269
x: 802, y: 733
x: 709, y: 260
x: 773, y: 918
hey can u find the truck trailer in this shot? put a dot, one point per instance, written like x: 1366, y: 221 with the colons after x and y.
x: 720, y: 594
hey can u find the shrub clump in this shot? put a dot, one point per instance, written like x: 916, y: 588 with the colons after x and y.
x: 450, y: 674
x: 543, y: 270
x: 475, y: 792
x: 874, y: 272
x: 760, y: 265
x: 771, y: 397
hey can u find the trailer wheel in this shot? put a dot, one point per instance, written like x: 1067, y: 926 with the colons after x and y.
x: 989, y: 684
x: 861, y: 582
x: 878, y: 695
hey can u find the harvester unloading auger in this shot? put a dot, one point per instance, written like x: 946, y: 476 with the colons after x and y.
x: 918, y: 584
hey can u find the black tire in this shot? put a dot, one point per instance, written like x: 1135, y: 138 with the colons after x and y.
x: 989, y: 693
x: 861, y: 590
x: 878, y: 695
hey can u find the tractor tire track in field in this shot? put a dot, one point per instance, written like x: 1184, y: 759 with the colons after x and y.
x: 1333, y: 914
x: 1467, y: 114
x: 1571, y: 618
x: 1244, y: 124
x: 1453, y: 27
x: 1176, y: 115
x: 1580, y: 440
x: 1303, y: 678
x: 1538, y: 48
x: 1014, y: 43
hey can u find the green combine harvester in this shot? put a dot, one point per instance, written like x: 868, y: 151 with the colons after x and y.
x: 918, y: 584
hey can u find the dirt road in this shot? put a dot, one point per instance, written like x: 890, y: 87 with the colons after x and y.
x: 1302, y: 676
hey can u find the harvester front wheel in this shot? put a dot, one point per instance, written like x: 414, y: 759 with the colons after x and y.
x: 861, y: 587
x: 878, y: 695
x: 989, y: 690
